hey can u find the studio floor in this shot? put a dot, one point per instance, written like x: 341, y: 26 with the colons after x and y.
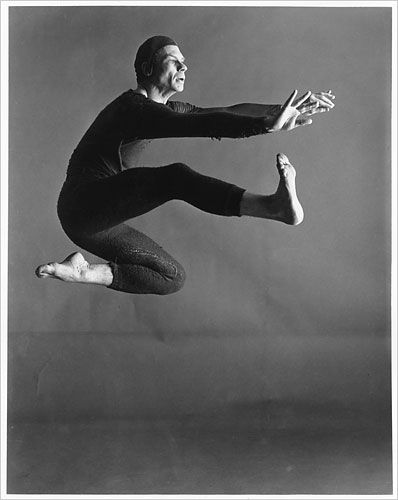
x: 244, y: 452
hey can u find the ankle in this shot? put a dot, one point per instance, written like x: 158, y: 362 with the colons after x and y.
x: 257, y: 205
x: 97, y: 274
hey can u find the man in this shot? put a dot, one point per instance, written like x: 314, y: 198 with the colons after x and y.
x: 101, y: 192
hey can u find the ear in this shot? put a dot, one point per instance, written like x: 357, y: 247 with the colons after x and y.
x: 147, y: 69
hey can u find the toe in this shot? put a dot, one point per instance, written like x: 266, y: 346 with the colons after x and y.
x: 283, y: 165
x: 39, y: 272
x: 282, y: 159
x: 44, y: 271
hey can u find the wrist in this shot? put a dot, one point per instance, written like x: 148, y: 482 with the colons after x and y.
x: 268, y: 122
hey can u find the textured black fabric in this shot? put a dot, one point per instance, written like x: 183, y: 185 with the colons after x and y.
x: 102, y: 192
x: 93, y: 216
x: 133, y: 118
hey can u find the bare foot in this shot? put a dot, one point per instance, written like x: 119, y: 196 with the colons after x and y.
x: 283, y: 205
x: 72, y: 269
x: 286, y: 204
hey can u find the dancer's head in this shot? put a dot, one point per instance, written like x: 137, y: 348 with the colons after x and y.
x: 159, y: 62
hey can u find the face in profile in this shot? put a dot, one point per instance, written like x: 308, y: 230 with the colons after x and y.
x: 169, y: 70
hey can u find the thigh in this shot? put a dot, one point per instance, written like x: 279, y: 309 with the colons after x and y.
x: 104, y: 203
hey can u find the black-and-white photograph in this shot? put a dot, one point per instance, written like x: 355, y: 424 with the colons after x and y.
x: 197, y: 249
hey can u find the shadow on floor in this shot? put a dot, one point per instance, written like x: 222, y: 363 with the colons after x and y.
x: 258, y: 449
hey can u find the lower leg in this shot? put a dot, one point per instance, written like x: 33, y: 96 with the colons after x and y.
x: 283, y: 205
x: 136, y: 263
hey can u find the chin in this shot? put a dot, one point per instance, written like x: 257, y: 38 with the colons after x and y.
x: 179, y: 87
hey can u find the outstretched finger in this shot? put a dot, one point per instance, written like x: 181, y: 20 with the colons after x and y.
x: 328, y: 97
x: 290, y: 100
x: 308, y: 108
x: 323, y: 100
x: 316, y: 111
x: 329, y: 94
x: 302, y: 99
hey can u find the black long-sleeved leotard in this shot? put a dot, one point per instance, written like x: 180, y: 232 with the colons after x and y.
x: 134, y: 119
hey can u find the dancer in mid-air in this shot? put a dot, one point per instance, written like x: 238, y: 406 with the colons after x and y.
x: 101, y: 191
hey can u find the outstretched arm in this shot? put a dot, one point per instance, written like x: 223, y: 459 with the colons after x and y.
x: 317, y: 102
x: 154, y: 120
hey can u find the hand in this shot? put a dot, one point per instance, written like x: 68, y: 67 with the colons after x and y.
x: 321, y: 100
x: 293, y: 114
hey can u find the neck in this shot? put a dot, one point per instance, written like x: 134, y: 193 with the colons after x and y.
x: 154, y: 93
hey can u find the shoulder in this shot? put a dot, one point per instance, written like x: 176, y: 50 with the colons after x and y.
x: 183, y: 107
x: 126, y: 100
x: 131, y: 97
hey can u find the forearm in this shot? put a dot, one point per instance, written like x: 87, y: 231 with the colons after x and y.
x: 252, y: 109
x: 247, y: 109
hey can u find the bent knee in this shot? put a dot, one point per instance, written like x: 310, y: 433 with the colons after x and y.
x: 173, y: 283
x: 180, y: 169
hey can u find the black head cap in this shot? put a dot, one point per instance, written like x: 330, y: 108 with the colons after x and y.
x: 147, y: 50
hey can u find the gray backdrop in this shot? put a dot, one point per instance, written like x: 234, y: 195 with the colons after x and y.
x: 268, y: 312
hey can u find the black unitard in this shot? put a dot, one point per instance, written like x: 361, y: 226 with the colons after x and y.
x: 100, y: 193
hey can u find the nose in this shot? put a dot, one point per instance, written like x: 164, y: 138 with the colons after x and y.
x: 183, y: 67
